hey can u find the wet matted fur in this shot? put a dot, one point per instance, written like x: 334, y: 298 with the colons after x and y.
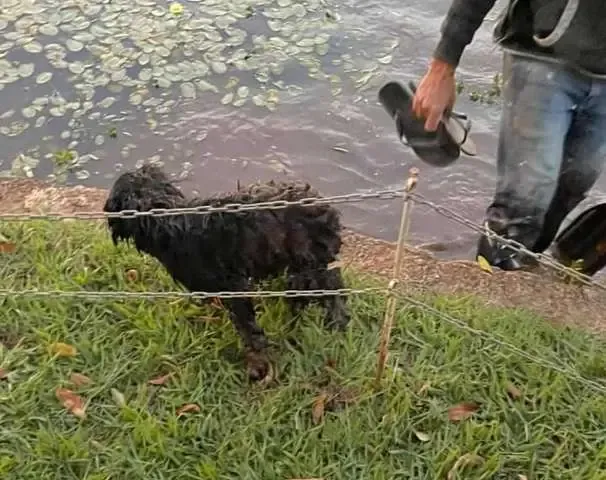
x: 230, y: 251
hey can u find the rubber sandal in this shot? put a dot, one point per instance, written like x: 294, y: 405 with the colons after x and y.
x: 440, y: 148
x: 582, y: 244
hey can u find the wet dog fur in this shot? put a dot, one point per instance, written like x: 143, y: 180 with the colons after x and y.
x: 232, y: 251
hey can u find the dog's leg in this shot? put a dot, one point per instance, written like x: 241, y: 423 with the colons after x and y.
x: 337, y: 316
x: 243, y: 318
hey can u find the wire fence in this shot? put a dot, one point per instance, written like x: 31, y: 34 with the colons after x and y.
x: 391, y: 291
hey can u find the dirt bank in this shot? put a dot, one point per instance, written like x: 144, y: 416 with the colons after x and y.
x: 583, y: 306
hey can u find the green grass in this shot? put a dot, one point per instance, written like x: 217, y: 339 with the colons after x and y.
x: 555, y: 430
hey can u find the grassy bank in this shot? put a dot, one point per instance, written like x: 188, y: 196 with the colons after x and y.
x: 319, y: 418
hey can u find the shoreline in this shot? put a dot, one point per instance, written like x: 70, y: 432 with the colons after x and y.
x: 422, y: 272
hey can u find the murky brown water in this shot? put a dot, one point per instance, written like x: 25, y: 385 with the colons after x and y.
x: 217, y: 145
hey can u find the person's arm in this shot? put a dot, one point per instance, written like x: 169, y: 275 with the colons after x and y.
x: 463, y: 19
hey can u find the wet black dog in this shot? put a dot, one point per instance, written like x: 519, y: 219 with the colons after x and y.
x: 229, y: 251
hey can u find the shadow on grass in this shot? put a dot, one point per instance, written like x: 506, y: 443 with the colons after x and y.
x: 531, y: 420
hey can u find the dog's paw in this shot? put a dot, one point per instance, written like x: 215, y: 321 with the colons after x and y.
x: 258, y: 366
x: 338, y: 320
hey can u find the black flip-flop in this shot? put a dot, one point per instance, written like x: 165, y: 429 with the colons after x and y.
x: 440, y: 148
x: 582, y: 244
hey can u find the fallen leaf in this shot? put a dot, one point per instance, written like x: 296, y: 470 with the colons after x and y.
x: 160, y: 380
x: 462, y: 411
x: 79, y: 380
x: 469, y: 459
x: 3, y: 374
x: 513, y: 391
x: 176, y: 8
x: 331, y: 363
x: 132, y: 275
x: 7, y: 247
x: 72, y: 402
x: 118, y: 397
x: 188, y: 408
x: 424, y: 388
x: 63, y: 350
x: 423, y: 437
x: 484, y: 264
x: 317, y: 409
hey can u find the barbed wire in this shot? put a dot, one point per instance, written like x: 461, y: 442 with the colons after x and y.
x: 197, y: 295
x: 463, y: 325
x: 514, y: 245
x: 388, y: 194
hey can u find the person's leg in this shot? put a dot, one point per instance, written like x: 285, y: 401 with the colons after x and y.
x: 584, y: 158
x: 538, y: 104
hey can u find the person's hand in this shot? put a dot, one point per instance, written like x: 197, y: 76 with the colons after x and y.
x: 436, y: 93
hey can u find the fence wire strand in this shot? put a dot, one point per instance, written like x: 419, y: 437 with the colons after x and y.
x: 463, y: 325
x: 543, y: 259
x: 389, y: 194
x: 197, y: 295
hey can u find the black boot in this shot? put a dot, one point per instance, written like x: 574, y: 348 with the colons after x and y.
x: 501, y: 255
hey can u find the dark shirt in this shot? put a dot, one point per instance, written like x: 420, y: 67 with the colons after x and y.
x: 567, y: 31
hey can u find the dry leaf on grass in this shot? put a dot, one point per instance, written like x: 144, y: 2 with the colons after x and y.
x: 317, y: 409
x: 424, y: 388
x: 513, y: 391
x: 3, y: 374
x: 7, y: 247
x: 188, y: 408
x: 469, y: 459
x: 63, y: 349
x: 462, y: 411
x: 79, y: 380
x: 72, y: 402
x: 132, y: 275
x: 118, y: 397
x: 423, y: 437
x: 160, y: 380
x: 331, y: 363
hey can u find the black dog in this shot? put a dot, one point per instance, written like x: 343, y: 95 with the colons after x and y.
x: 225, y: 251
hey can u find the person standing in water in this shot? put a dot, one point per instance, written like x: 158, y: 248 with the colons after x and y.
x: 552, y: 138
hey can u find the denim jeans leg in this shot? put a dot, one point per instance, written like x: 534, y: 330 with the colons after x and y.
x: 584, y: 158
x: 538, y: 104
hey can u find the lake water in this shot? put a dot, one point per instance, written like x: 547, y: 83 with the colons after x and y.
x: 226, y: 90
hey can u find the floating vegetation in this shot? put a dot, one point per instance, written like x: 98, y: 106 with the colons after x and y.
x: 97, y: 62
x: 487, y: 96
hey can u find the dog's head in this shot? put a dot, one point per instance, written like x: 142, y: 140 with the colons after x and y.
x: 142, y: 189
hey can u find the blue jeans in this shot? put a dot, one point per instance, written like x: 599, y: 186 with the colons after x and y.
x: 552, y: 147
